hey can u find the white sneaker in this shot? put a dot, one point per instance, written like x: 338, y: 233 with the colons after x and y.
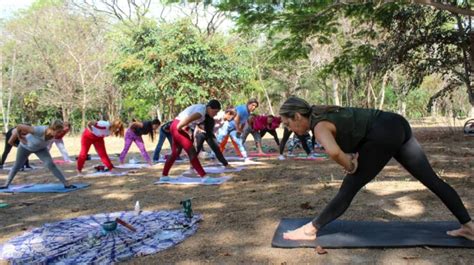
x: 281, y: 157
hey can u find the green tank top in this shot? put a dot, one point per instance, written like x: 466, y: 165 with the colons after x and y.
x: 352, y: 124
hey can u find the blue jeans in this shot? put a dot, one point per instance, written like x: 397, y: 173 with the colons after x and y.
x: 163, y: 135
x: 238, y: 141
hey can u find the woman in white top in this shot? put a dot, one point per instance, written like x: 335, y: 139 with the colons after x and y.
x: 94, y: 135
x: 181, y: 133
x: 35, y: 140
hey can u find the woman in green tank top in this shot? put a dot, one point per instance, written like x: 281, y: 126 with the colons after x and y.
x: 362, y: 141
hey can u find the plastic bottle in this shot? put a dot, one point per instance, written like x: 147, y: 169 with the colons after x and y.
x: 137, y: 208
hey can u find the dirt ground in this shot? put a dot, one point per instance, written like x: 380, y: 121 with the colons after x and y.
x: 240, y: 216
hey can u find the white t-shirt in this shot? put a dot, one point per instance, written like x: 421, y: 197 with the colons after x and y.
x: 196, y: 108
x: 35, y: 141
x: 101, y: 128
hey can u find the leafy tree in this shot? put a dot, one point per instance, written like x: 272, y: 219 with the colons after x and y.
x: 173, y: 66
x: 420, y: 38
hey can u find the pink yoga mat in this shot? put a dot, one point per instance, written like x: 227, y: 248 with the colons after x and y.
x: 60, y: 162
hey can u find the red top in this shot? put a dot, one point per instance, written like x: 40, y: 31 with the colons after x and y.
x: 260, y: 123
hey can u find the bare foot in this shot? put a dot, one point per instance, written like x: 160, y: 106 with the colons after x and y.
x: 306, y: 232
x: 466, y: 231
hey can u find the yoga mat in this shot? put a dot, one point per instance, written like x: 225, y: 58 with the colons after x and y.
x: 245, y: 163
x: 371, y: 234
x: 263, y: 155
x: 216, y: 169
x: 133, y: 166
x: 234, y: 158
x: 26, y: 169
x: 95, y: 158
x: 104, y: 174
x: 60, y: 162
x: 82, y: 240
x: 193, y: 181
x: 177, y: 161
x: 317, y: 158
x: 42, y: 188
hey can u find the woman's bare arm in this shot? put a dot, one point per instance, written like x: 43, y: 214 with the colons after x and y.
x: 325, y: 132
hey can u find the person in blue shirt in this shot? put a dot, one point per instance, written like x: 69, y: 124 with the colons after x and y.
x: 236, y: 126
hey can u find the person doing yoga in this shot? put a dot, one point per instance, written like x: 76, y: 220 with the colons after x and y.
x: 35, y: 140
x: 134, y: 135
x: 8, y: 148
x: 181, y: 133
x: 205, y: 132
x: 363, y: 141
x: 94, y: 134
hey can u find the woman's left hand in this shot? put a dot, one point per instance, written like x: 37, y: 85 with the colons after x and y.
x: 354, y: 163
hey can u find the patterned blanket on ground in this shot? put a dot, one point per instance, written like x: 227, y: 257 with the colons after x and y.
x: 82, y: 240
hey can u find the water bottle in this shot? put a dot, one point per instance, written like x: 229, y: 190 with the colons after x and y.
x: 137, y: 208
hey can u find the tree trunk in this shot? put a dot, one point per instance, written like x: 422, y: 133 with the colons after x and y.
x: 367, y: 101
x: 265, y: 91
x: 382, y: 91
x: 5, y: 126
x: 6, y: 111
x: 335, y: 91
x: 348, y: 92
x: 65, y: 113
x: 468, y: 58
x: 434, y: 109
x: 402, y: 107
x: 471, y: 75
x: 158, y: 113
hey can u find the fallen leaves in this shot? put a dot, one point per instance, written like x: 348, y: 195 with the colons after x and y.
x: 320, y: 250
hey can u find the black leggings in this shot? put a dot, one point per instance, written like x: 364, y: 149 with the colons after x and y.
x: 391, y: 136
x: 302, y: 138
x: 212, y: 142
x: 8, y: 148
x: 272, y: 132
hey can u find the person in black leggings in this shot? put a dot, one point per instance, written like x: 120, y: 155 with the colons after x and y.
x: 286, y: 135
x: 362, y: 141
x: 206, y: 133
x: 8, y: 148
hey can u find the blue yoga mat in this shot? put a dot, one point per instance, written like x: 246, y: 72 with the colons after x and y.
x: 193, y: 181
x: 43, y: 188
x: 373, y: 234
